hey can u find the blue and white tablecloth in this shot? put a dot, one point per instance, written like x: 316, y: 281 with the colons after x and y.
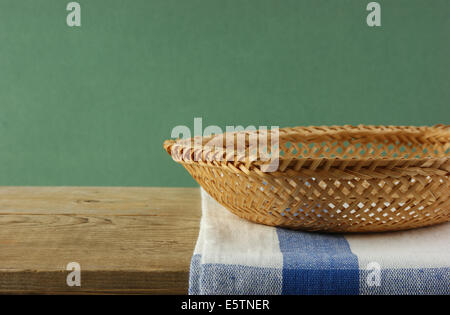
x: 234, y: 256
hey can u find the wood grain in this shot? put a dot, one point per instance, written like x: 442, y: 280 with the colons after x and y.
x: 127, y: 240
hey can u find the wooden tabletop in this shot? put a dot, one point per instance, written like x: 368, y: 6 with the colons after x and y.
x: 126, y: 240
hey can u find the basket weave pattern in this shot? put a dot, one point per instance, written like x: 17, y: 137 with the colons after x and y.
x: 335, y: 179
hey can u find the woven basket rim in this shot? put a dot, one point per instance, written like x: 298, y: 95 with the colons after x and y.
x: 183, y: 151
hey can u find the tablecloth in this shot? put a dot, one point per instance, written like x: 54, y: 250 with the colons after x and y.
x: 235, y: 256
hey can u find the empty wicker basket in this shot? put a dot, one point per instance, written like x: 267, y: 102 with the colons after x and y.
x: 335, y: 179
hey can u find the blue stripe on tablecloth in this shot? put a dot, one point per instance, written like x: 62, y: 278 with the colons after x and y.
x: 194, y: 275
x: 316, y: 263
x: 233, y: 279
x: 412, y: 281
x: 239, y: 279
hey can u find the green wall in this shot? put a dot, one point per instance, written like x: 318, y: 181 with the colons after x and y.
x: 92, y: 105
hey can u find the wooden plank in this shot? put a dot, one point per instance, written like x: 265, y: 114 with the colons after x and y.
x: 127, y: 240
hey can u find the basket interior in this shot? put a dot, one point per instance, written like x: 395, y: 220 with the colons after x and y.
x: 362, y: 148
x: 366, y: 142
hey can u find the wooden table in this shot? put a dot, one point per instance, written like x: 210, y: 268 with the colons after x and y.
x: 126, y: 240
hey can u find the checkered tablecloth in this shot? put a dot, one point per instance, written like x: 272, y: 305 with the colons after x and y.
x: 234, y: 256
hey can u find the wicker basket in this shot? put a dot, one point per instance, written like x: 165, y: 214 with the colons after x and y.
x: 335, y: 179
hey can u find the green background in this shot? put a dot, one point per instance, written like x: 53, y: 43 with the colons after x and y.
x: 92, y: 105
